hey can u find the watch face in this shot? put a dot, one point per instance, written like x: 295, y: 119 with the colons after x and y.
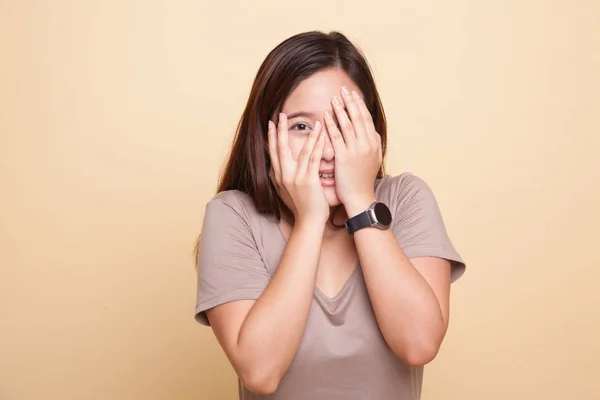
x: 383, y: 214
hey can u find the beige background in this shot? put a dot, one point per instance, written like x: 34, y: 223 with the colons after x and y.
x: 116, y: 116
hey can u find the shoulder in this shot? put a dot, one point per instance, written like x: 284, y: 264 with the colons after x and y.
x: 235, y: 200
x: 409, y: 197
x: 396, y: 188
x: 418, y: 223
x: 232, y: 206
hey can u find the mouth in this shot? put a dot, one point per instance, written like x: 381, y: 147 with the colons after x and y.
x: 327, y: 178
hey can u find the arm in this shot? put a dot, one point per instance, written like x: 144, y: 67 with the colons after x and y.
x: 410, y: 297
x: 261, y: 337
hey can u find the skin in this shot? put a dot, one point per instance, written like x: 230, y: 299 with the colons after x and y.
x: 410, y: 297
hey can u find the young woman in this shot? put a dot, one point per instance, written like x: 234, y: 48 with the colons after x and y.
x: 321, y: 276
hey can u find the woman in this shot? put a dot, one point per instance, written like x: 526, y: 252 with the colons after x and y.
x: 322, y: 277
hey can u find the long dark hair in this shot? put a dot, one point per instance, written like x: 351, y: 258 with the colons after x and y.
x: 284, y: 68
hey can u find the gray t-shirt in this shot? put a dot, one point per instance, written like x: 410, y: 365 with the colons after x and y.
x: 343, y: 354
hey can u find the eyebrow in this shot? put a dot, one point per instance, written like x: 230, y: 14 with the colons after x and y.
x: 308, y: 114
x: 301, y: 114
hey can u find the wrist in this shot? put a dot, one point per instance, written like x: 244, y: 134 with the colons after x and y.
x: 359, y: 204
x: 310, y: 224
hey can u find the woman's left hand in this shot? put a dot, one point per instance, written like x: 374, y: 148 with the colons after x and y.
x: 358, y: 152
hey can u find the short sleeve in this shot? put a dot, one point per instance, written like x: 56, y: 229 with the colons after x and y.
x: 419, y: 227
x: 230, y: 266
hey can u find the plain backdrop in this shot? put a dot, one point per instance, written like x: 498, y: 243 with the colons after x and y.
x: 116, y: 118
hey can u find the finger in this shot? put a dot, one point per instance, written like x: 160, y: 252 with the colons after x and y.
x: 337, y: 140
x: 273, y: 179
x: 283, y: 148
x: 315, y: 158
x: 272, y: 135
x: 355, y: 114
x: 345, y: 124
x: 308, y: 148
x: 366, y: 116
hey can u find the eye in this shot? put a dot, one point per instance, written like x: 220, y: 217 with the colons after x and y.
x: 301, y: 127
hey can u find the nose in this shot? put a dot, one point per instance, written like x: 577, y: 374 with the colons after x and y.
x: 328, y: 152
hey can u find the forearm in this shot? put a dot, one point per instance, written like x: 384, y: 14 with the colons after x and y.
x: 407, y: 309
x: 272, y: 331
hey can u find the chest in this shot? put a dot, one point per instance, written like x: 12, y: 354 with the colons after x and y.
x: 338, y: 261
x: 342, y: 339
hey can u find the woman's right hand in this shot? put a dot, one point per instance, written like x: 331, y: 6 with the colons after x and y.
x: 297, y: 181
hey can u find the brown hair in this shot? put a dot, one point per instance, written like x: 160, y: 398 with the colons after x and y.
x: 284, y: 68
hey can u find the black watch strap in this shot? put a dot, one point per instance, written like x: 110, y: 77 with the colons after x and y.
x: 357, y: 222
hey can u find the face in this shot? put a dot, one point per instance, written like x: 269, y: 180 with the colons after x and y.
x: 305, y: 106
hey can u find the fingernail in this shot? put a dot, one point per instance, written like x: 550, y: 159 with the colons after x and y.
x: 345, y: 91
x: 356, y: 96
x: 337, y: 101
x: 317, y: 125
x: 327, y: 115
x: 271, y: 124
x: 281, y: 116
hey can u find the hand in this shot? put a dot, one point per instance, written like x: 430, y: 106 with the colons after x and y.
x: 358, y: 152
x: 297, y: 182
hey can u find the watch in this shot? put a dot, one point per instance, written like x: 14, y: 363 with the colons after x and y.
x: 377, y: 215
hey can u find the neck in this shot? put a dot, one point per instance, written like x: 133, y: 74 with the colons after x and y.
x: 336, y: 220
x: 337, y: 216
